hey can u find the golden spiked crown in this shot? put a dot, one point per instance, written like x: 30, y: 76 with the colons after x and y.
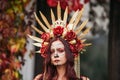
x: 60, y: 28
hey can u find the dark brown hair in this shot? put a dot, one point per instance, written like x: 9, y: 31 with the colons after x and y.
x: 50, y: 70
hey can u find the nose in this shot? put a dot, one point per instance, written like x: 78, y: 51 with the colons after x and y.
x: 56, y: 56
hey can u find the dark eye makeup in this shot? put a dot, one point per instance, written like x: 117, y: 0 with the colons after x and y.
x: 60, y: 50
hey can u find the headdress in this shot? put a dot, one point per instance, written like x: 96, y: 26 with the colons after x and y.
x: 60, y: 28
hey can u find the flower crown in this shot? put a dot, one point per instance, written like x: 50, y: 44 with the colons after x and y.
x: 60, y: 28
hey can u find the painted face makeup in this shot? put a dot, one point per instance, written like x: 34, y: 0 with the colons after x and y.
x: 58, y: 55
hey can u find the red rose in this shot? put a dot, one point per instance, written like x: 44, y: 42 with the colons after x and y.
x: 52, y: 3
x: 43, y: 49
x: 86, y: 1
x: 58, y: 31
x: 79, y: 45
x: 70, y: 35
x: 63, y: 4
x: 76, y: 5
x: 76, y: 47
x: 72, y: 4
x: 73, y: 48
x: 45, y: 36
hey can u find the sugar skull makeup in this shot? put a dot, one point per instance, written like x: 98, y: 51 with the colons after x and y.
x: 58, y: 54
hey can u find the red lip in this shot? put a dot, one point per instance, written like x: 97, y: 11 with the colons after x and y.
x: 56, y: 60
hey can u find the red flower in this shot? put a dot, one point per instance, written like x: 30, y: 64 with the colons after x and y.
x: 73, y: 48
x: 77, y: 5
x: 70, y: 35
x: 45, y: 36
x: 52, y: 3
x: 85, y: 1
x: 58, y: 31
x: 79, y: 45
x: 76, y: 48
x: 43, y: 49
x: 63, y: 4
x: 72, y: 4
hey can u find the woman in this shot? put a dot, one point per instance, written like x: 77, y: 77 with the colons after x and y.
x: 59, y: 64
x: 60, y: 44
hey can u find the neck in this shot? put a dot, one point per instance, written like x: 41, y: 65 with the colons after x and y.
x: 61, y: 72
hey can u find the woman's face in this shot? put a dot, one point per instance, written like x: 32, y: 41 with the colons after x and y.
x: 58, y: 55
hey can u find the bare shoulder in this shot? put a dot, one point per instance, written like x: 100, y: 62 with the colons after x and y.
x: 38, y: 77
x: 84, y: 78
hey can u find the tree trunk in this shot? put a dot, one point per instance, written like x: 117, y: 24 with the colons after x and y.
x: 114, y: 41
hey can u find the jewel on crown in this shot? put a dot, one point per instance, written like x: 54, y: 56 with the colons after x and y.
x: 59, y: 23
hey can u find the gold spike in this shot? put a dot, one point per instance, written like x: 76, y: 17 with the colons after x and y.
x: 46, y: 43
x: 65, y: 15
x: 59, y: 11
x: 87, y: 44
x: 36, y: 38
x: 78, y: 18
x: 83, y: 40
x: 40, y: 23
x: 37, y: 51
x: 87, y: 30
x: 73, y: 41
x: 81, y: 27
x: 77, y: 64
x: 73, y: 17
x: 84, y: 33
x: 52, y: 17
x: 45, y: 20
x: 37, y: 44
x: 81, y: 36
x: 40, y: 32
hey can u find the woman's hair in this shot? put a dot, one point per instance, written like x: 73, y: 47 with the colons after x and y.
x: 50, y: 70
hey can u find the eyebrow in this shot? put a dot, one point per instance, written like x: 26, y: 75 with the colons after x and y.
x: 58, y: 48
x: 61, y: 48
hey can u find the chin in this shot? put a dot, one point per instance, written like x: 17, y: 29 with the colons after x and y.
x: 58, y: 64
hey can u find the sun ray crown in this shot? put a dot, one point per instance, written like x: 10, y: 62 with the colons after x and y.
x: 61, y: 28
